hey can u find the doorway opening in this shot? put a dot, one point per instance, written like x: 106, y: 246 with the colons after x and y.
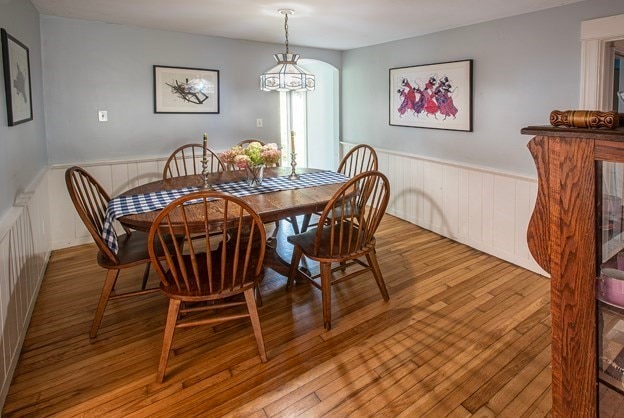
x: 618, y: 77
x: 314, y: 116
x: 598, y: 39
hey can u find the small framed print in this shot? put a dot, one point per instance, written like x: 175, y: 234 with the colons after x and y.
x: 185, y: 90
x: 436, y: 96
x: 16, y: 59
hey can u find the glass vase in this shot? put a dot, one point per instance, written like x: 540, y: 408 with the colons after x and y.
x: 255, y: 175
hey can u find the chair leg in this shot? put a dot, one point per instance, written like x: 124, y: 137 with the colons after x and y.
x: 294, y: 266
x: 255, y: 322
x: 145, y: 276
x: 258, y: 295
x: 372, y: 261
x: 326, y: 276
x: 109, y: 284
x: 295, y: 225
x: 172, y: 319
x: 306, y: 222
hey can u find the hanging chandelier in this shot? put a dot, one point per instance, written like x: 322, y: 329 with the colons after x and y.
x: 286, y: 75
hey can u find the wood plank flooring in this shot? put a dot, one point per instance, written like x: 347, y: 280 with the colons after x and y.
x: 464, y: 334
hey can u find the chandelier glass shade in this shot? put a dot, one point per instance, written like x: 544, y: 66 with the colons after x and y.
x: 286, y: 75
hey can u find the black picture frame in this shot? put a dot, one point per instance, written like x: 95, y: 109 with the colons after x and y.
x: 17, y: 80
x: 173, y: 92
x: 446, y: 103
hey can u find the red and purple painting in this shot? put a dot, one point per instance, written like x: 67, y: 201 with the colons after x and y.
x: 437, y: 96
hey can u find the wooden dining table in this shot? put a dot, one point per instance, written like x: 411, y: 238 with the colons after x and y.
x: 271, y: 207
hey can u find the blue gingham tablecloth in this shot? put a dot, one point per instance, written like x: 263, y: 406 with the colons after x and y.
x: 135, y: 204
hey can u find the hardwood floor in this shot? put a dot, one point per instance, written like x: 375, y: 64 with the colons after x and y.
x: 463, y: 334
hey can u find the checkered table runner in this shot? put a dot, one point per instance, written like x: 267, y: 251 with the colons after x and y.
x: 135, y: 204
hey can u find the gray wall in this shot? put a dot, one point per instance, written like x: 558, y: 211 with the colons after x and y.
x: 22, y: 147
x: 91, y: 66
x: 524, y: 67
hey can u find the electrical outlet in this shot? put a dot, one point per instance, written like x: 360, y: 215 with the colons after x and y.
x: 258, y: 123
x: 102, y: 115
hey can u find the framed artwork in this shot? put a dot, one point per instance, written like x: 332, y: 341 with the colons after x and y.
x: 185, y: 90
x: 437, y: 96
x: 16, y: 60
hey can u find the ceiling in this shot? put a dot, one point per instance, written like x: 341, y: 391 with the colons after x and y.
x: 332, y: 24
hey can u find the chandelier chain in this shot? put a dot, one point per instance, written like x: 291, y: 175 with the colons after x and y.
x: 286, y: 29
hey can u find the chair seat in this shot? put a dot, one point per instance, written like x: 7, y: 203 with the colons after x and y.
x: 349, y: 240
x: 194, y: 293
x: 132, y: 251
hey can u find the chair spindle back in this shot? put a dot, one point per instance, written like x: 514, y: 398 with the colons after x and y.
x: 359, y: 159
x: 348, y: 223
x: 90, y: 200
x: 237, y: 262
x: 187, y: 160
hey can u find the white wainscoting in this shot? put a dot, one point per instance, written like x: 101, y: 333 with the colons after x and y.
x: 24, y: 253
x: 116, y: 177
x: 486, y: 209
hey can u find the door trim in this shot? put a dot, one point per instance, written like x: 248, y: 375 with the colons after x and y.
x: 596, y: 56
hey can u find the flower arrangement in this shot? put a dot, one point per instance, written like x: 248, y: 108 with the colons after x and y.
x: 253, y: 155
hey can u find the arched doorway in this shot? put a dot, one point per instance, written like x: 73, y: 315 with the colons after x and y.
x: 315, y: 118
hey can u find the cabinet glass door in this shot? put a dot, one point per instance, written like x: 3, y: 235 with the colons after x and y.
x: 610, y: 288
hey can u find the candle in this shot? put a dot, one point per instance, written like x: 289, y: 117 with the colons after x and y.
x: 205, y: 146
x: 292, y: 141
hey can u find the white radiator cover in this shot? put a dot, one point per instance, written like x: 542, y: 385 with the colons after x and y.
x: 24, y: 253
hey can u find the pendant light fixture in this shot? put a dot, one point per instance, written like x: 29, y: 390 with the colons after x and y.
x: 286, y: 75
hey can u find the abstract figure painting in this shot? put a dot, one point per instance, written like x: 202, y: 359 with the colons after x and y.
x: 185, y: 90
x: 16, y: 59
x: 437, y: 96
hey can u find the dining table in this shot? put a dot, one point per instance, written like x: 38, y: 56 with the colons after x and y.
x: 270, y: 206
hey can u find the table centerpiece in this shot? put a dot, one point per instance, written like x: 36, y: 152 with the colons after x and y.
x: 252, y: 159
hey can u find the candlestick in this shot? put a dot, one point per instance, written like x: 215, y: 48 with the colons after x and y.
x: 206, y: 184
x: 293, y: 157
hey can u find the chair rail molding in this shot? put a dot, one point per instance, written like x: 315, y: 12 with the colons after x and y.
x: 596, y: 56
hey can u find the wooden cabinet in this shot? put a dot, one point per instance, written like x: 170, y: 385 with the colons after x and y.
x: 563, y: 237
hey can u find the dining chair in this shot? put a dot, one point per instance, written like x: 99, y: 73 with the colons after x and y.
x: 200, y: 275
x: 90, y: 200
x: 187, y: 160
x: 345, y: 233
x: 359, y: 159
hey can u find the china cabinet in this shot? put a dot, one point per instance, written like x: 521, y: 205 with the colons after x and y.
x: 575, y: 235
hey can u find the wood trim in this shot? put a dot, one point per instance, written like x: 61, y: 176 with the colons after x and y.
x: 538, y: 232
x: 609, y: 151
